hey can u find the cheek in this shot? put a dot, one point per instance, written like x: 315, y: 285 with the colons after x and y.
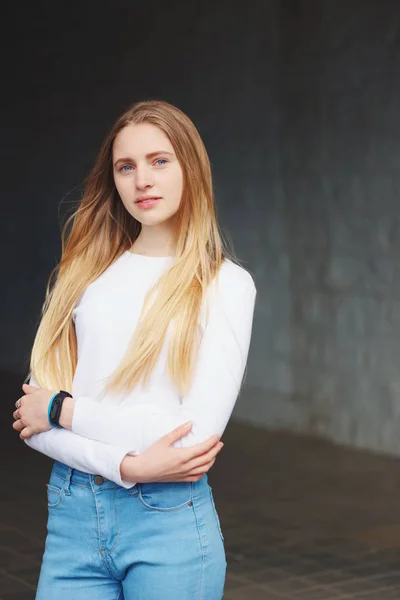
x: 120, y: 187
x: 175, y: 186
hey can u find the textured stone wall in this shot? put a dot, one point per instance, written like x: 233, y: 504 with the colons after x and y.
x: 334, y: 369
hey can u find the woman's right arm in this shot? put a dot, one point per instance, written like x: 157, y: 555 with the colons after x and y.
x: 160, y: 462
x: 90, y: 456
x: 81, y: 453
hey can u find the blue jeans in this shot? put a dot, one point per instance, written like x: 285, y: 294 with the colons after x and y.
x: 156, y: 541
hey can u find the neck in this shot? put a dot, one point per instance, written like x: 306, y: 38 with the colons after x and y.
x: 153, y: 242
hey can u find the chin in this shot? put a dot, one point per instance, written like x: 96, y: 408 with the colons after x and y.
x: 150, y: 219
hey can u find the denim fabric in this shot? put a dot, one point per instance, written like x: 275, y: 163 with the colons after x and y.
x: 156, y: 541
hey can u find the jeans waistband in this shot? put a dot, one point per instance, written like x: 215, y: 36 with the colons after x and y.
x: 71, y: 475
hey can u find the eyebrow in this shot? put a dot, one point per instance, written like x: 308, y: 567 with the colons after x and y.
x: 150, y: 155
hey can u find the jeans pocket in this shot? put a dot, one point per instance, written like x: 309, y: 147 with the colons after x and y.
x: 166, y: 496
x: 215, y: 513
x: 54, y: 496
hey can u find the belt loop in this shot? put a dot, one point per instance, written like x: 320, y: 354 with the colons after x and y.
x: 68, y: 481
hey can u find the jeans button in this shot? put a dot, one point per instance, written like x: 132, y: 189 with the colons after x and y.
x: 98, y: 479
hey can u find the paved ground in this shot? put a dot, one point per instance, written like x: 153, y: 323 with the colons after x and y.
x: 303, y: 519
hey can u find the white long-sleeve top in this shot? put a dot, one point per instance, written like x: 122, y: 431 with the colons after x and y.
x: 105, y: 429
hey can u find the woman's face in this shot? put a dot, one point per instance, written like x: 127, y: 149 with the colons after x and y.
x: 145, y: 167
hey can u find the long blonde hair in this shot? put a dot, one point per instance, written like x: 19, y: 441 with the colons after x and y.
x: 102, y: 230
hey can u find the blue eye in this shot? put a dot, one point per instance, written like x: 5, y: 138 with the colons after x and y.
x: 161, y: 160
x: 125, y: 167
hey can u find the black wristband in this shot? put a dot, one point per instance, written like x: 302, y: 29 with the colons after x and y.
x: 56, y: 406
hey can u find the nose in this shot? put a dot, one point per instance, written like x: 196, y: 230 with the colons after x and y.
x: 144, y: 177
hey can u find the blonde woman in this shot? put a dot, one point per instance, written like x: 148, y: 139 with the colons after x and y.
x: 147, y: 324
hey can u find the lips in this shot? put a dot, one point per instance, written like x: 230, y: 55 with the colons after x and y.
x: 146, y: 198
x: 147, y: 203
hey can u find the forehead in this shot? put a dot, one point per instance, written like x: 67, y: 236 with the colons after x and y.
x: 138, y: 140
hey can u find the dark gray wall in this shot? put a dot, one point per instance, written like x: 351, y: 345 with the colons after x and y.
x: 329, y: 281
x: 297, y: 102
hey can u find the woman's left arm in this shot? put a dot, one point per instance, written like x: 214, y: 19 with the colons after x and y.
x: 215, y: 387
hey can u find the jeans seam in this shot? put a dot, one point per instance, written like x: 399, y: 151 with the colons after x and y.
x: 201, y: 547
x: 101, y: 552
x: 116, y: 525
x: 216, y: 517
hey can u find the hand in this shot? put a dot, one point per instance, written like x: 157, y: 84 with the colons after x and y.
x: 32, y: 417
x: 162, y: 462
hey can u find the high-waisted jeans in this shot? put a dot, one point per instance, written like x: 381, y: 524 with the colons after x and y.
x: 156, y: 541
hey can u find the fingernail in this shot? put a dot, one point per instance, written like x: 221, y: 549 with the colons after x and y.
x: 187, y: 424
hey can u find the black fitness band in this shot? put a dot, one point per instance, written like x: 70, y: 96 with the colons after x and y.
x: 56, y: 406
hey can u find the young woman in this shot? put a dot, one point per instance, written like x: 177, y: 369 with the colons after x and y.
x: 148, y: 325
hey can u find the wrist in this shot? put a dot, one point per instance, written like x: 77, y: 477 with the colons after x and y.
x: 130, y: 468
x: 67, y: 412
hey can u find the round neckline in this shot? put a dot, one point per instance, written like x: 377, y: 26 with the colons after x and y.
x: 146, y: 256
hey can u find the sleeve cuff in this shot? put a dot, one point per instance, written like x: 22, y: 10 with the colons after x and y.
x: 114, y: 471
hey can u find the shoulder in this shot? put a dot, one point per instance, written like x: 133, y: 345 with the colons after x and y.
x: 234, y: 278
x: 232, y: 285
x: 230, y: 298
x: 231, y: 294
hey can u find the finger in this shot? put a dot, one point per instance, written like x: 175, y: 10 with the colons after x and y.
x: 26, y: 433
x: 202, y: 448
x: 29, y: 389
x: 16, y: 414
x: 205, y: 458
x: 18, y: 425
x: 201, y: 470
x: 177, y: 433
x: 191, y: 478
